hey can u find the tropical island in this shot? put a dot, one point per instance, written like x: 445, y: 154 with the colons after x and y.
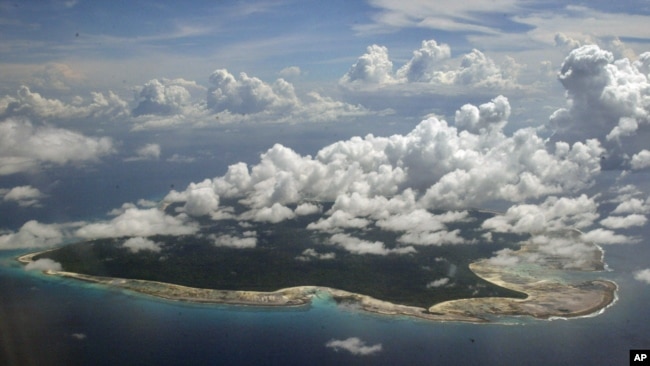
x: 290, y: 265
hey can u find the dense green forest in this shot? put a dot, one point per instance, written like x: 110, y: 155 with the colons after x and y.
x: 399, y: 278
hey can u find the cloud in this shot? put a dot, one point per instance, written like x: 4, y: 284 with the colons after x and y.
x: 603, y: 236
x: 488, y: 116
x: 25, y: 196
x: 552, y: 214
x: 163, y: 97
x: 422, y: 66
x: 309, y: 254
x: 247, y: 240
x: 438, y: 283
x: 354, y: 345
x: 139, y: 222
x: 372, y: 67
x: 633, y: 205
x: 248, y: 94
x: 56, y: 76
x: 641, y: 160
x: 290, y: 72
x: 428, y: 66
x: 138, y: 243
x: 25, y: 147
x: 359, y: 246
x: 33, y: 105
x: 43, y: 264
x: 607, y: 101
x: 618, y: 222
x: 33, y: 235
x: 643, y: 275
x: 146, y: 152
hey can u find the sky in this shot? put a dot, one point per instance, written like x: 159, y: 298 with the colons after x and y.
x: 387, y: 109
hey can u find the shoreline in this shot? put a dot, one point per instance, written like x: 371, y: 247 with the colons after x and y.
x: 546, y: 299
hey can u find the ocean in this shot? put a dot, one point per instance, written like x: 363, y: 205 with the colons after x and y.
x: 47, y: 320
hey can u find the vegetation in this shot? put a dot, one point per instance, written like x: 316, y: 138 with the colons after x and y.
x: 195, y: 261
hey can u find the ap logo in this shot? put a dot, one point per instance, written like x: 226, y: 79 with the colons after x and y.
x: 639, y: 357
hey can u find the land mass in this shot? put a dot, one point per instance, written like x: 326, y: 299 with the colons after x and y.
x: 554, y: 287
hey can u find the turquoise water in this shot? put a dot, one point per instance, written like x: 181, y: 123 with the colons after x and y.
x: 53, y: 321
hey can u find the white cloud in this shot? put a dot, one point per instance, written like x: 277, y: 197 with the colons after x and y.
x: 641, y: 160
x: 359, y: 246
x: 247, y: 240
x: 428, y: 66
x: 642, y: 275
x: 438, y: 283
x: 633, y: 205
x: 248, y: 94
x: 623, y: 222
x: 274, y: 214
x: 138, y: 222
x: 422, y: 67
x: 33, y: 235
x: 309, y: 254
x: 43, y: 264
x: 307, y: 208
x: 146, y: 152
x: 372, y: 67
x: 552, y: 214
x: 25, y: 196
x: 602, y: 236
x: 354, y: 345
x: 607, y: 100
x: 30, y: 104
x: 290, y: 72
x: 138, y: 243
x: 163, y: 97
x: 25, y: 147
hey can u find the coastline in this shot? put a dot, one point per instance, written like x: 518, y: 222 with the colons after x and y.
x: 547, y: 299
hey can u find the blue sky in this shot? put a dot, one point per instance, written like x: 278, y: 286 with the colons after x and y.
x: 388, y: 108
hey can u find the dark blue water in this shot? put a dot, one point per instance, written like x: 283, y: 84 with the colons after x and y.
x: 52, y: 321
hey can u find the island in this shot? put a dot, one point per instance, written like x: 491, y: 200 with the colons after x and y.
x: 523, y: 278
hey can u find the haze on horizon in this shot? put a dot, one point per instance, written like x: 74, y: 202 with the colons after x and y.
x: 387, y: 109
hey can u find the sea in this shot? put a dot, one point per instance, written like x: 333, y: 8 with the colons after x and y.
x: 47, y: 320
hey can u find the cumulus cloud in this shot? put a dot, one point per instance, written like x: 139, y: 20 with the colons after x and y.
x: 290, y: 72
x: 488, y: 116
x: 428, y: 65
x: 552, y: 214
x: 146, y: 152
x: 422, y: 66
x: 25, y: 196
x: 641, y: 160
x: 247, y: 240
x: 354, y: 345
x: 138, y: 222
x: 603, y: 236
x: 31, y: 104
x: 138, y: 243
x: 438, y: 283
x: 43, y: 264
x: 374, y: 67
x: 633, y: 205
x: 33, y: 235
x: 355, y: 245
x: 311, y: 254
x: 607, y: 100
x: 642, y: 275
x: 25, y: 147
x: 623, y: 222
x: 248, y: 94
x: 162, y: 97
